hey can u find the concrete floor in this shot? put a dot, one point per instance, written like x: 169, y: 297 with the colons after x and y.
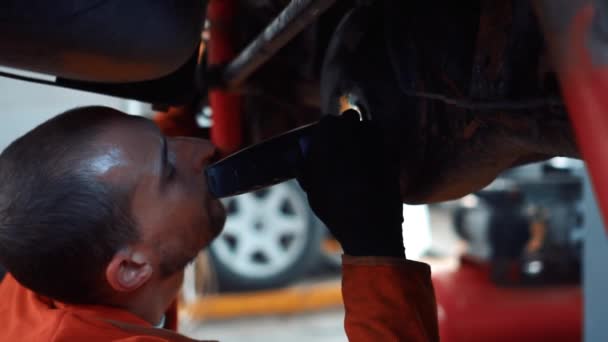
x: 325, y: 326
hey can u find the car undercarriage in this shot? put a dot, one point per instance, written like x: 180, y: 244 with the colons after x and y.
x: 463, y: 91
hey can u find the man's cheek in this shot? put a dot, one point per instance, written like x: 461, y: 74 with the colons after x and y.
x: 199, y: 231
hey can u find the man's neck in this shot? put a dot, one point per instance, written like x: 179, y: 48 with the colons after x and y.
x: 151, y: 301
x: 149, y: 304
x: 150, y: 308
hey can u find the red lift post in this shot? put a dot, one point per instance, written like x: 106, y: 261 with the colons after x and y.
x: 227, y: 128
x: 571, y: 27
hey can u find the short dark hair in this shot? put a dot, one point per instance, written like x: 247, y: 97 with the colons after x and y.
x: 59, y: 224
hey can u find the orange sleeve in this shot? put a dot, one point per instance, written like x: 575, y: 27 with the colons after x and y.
x: 388, y: 299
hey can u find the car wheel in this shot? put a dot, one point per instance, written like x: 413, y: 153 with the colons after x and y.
x: 270, y: 238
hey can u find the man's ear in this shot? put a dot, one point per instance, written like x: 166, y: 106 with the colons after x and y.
x: 128, y: 270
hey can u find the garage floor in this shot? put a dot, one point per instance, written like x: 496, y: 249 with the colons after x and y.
x: 325, y: 326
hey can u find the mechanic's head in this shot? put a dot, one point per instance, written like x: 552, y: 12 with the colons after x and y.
x: 97, y: 207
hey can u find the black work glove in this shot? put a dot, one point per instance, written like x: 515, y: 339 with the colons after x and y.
x: 353, y: 187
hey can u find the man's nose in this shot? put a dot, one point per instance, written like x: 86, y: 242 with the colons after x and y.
x: 201, y: 151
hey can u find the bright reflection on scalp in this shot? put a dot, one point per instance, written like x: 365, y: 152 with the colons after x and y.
x: 105, y: 162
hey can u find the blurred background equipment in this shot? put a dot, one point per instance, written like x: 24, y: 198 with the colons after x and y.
x: 521, y: 270
x: 531, y: 216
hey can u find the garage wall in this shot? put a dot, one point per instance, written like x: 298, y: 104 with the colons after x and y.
x: 24, y: 105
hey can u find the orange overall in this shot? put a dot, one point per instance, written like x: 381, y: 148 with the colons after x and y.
x: 385, y: 299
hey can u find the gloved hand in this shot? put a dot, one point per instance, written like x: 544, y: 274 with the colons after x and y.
x: 353, y: 188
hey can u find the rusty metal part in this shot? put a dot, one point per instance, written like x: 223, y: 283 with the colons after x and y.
x: 486, y: 56
x: 291, y: 21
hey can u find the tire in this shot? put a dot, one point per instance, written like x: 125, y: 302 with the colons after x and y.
x: 253, y: 252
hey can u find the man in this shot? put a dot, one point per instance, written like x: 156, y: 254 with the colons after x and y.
x: 100, y: 213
